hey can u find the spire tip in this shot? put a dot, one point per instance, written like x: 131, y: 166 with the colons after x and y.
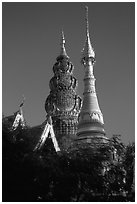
x: 87, y: 24
x: 62, y: 44
x: 88, y: 51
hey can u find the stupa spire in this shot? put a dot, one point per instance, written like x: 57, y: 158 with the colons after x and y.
x: 88, y: 51
x: 91, y: 124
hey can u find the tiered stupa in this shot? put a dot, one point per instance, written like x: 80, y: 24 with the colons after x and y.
x: 91, y: 123
x: 63, y: 104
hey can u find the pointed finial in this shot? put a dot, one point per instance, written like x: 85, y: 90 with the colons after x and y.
x: 88, y: 51
x: 22, y: 103
x: 87, y: 24
x: 62, y: 39
x: 62, y: 43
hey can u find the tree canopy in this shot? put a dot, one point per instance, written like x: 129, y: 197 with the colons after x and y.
x: 81, y: 173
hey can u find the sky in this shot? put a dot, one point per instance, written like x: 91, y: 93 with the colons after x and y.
x: 31, y: 35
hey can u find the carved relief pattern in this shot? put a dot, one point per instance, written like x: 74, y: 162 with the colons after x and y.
x: 63, y: 104
x: 95, y: 116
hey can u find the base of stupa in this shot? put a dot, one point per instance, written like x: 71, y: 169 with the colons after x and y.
x: 92, y: 140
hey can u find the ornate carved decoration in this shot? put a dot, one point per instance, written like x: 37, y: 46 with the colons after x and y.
x: 63, y: 104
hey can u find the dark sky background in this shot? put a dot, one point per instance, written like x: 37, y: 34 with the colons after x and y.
x: 31, y: 43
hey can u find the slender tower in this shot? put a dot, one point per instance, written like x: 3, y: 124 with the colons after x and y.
x: 63, y: 104
x: 91, y: 123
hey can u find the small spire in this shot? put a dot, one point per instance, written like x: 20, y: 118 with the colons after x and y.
x: 22, y: 103
x: 62, y: 43
x: 88, y: 51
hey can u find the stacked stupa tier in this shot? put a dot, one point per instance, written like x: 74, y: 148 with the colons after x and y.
x: 63, y: 104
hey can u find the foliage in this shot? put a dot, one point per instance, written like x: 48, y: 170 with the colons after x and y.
x: 82, y: 173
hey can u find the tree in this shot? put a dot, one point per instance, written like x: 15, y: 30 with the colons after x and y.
x: 81, y: 173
